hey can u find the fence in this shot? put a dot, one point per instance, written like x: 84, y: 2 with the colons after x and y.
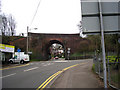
x: 83, y: 55
x: 113, y: 70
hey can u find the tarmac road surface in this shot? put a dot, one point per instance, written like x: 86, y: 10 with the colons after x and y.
x: 32, y: 75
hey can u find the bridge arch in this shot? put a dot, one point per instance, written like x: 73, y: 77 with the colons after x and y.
x: 50, y: 43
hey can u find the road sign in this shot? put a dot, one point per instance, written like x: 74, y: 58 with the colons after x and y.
x: 68, y: 51
x: 29, y: 52
x: 18, y: 50
x: 97, y: 19
x: 91, y: 16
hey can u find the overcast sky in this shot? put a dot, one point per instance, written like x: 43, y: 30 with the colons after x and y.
x: 53, y: 16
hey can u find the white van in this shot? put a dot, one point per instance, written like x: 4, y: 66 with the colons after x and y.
x: 19, y: 57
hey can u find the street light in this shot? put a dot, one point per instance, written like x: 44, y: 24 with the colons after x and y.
x: 28, y: 37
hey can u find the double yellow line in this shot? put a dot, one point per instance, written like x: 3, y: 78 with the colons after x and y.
x: 14, y: 67
x: 46, y: 82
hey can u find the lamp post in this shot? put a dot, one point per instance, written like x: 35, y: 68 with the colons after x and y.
x: 27, y: 38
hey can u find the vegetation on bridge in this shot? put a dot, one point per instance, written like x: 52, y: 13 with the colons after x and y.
x: 88, y: 49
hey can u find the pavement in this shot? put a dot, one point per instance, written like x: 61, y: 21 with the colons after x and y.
x: 80, y: 76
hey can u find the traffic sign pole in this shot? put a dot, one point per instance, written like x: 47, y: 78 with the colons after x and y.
x: 103, y: 45
x: 68, y: 53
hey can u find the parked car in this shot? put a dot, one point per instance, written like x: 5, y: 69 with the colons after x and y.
x: 56, y: 57
x: 19, y: 57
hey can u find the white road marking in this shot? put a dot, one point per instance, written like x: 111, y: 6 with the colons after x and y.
x: 31, y: 69
x: 62, y: 61
x: 48, y: 64
x: 31, y: 63
x: 8, y: 75
x: 45, y: 65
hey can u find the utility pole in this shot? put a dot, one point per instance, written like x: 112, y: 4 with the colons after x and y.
x: 27, y: 46
x: 27, y: 40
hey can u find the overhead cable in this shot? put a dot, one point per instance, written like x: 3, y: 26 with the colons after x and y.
x: 35, y: 12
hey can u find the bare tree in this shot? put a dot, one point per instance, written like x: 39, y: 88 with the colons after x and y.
x: 8, y: 25
x: 0, y: 6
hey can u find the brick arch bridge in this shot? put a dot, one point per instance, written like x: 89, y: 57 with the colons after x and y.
x: 52, y: 42
x: 39, y: 43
